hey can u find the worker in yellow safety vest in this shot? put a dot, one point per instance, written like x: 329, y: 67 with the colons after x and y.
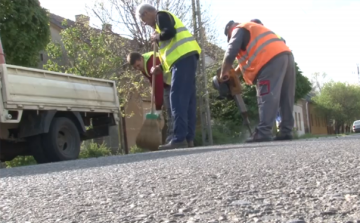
x: 144, y: 63
x: 179, y: 53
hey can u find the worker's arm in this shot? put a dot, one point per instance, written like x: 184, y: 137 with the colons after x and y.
x: 166, y: 24
x: 236, y: 43
x: 159, y: 83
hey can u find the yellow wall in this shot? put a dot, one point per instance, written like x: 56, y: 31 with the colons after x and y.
x: 318, y: 124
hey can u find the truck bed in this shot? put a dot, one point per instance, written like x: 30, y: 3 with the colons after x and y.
x: 35, y: 89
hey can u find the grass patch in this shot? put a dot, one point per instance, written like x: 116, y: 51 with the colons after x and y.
x: 312, y: 136
x: 20, y: 161
x: 135, y: 149
x: 93, y: 150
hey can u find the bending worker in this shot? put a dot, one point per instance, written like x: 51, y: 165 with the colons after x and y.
x: 179, y: 54
x: 259, y: 22
x: 266, y: 61
x: 144, y: 63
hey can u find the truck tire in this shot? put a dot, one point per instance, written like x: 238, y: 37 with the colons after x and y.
x: 62, y: 142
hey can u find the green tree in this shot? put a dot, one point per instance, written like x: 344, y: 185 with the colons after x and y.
x: 303, y: 85
x: 90, y: 52
x: 339, y: 102
x: 25, y: 31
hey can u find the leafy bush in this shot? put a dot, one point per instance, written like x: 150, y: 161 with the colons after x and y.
x: 135, y: 149
x: 91, y: 150
x: 224, y: 133
x: 20, y: 161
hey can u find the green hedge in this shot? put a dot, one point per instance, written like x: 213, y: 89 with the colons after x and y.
x: 88, y: 150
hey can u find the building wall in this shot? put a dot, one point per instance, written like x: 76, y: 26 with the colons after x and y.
x: 55, y: 38
x: 318, y: 124
x: 135, y: 118
x: 305, y: 116
x: 299, y: 119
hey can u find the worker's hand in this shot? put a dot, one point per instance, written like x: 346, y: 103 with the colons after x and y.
x: 155, y: 37
x: 158, y: 112
x: 225, y: 72
x: 224, y: 76
x: 155, y: 70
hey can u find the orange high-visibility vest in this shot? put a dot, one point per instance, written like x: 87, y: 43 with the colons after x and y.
x: 262, y: 47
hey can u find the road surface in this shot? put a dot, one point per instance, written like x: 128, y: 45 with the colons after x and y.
x: 300, y: 181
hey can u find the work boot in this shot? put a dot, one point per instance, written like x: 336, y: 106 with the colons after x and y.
x: 168, y: 139
x: 174, y: 145
x: 257, y: 138
x: 191, y: 144
x: 283, y: 137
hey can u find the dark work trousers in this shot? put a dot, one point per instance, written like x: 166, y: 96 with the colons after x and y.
x: 183, y: 98
x: 169, y: 119
x: 276, y: 88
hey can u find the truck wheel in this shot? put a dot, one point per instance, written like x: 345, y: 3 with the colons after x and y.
x: 62, y: 142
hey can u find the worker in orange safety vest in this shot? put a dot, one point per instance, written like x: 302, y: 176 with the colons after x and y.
x: 278, y: 117
x: 264, y: 60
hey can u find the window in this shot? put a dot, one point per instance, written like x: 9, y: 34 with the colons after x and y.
x: 41, y: 57
x: 296, y: 121
x: 299, y: 121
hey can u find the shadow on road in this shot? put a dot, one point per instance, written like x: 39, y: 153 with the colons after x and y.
x: 124, y: 159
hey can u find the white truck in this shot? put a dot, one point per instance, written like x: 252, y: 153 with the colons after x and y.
x: 48, y: 114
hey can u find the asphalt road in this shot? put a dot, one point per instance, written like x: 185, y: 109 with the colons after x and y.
x: 300, y: 181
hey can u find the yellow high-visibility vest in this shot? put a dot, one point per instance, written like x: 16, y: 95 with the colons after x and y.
x: 166, y: 76
x: 146, y: 57
x: 183, y: 43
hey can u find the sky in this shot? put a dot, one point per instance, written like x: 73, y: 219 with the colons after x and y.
x: 323, y: 35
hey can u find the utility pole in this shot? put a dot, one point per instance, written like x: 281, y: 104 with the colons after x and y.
x: 204, y: 95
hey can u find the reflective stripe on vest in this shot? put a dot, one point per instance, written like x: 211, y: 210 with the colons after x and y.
x: 252, y: 44
x: 166, y: 76
x: 183, y: 43
x: 262, y: 47
x: 146, y: 57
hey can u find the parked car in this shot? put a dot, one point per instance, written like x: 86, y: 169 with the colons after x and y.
x: 356, y: 126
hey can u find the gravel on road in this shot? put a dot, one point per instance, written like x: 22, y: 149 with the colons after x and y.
x: 299, y: 181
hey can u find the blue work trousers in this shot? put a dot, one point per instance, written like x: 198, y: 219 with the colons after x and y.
x: 183, y: 98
